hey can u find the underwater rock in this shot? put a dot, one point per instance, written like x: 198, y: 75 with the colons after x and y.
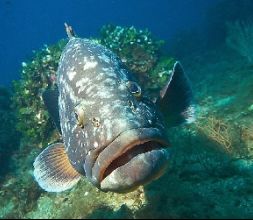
x: 87, y: 202
x: 250, y: 108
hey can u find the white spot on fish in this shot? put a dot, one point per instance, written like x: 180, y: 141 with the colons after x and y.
x: 89, y: 64
x: 122, y: 86
x: 109, y: 82
x: 82, y: 84
x: 120, y: 123
x: 71, y: 75
x: 104, y: 57
x: 77, y: 45
x: 105, y: 94
x: 90, y: 88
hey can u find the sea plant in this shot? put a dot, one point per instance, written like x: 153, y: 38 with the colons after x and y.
x: 240, y: 38
x: 136, y: 48
x: 159, y: 75
x: 37, y: 74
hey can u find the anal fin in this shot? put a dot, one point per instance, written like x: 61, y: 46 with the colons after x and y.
x: 53, y: 170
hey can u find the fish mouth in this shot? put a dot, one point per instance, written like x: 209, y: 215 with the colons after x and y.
x: 134, y: 158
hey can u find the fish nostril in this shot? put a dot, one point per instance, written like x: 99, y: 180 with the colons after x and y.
x: 96, y: 122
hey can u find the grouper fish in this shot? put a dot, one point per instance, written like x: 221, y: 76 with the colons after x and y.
x: 112, y: 133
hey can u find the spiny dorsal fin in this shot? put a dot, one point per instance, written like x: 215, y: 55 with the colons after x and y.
x: 176, y: 98
x: 69, y: 30
x: 53, y: 171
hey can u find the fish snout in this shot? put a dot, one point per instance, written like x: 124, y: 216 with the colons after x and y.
x: 134, y: 158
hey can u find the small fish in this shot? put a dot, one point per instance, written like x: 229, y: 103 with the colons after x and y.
x: 112, y: 133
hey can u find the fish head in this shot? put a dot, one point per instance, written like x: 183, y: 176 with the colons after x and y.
x: 113, y: 134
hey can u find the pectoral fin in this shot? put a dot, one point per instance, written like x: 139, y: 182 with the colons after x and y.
x: 176, y: 98
x: 50, y: 98
x: 53, y: 171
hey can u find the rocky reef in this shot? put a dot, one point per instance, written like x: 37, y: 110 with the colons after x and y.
x: 210, y: 172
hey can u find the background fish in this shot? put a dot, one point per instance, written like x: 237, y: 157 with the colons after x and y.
x: 112, y: 133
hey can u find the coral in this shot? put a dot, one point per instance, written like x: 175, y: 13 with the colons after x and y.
x: 240, y: 38
x: 216, y: 130
x: 136, y: 48
x: 39, y: 73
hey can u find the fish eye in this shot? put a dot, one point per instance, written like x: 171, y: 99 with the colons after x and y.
x: 80, y: 117
x: 134, y: 88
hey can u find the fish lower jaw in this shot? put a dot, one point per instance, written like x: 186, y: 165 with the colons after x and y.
x: 134, y: 158
x: 140, y: 170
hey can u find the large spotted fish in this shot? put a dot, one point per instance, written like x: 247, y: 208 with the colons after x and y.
x: 112, y: 133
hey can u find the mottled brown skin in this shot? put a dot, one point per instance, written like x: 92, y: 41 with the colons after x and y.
x: 94, y: 88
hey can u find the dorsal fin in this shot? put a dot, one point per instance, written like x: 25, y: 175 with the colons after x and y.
x: 53, y: 170
x: 69, y: 30
x: 50, y: 98
x: 175, y: 98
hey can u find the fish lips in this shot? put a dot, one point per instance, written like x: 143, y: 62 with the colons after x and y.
x: 134, y: 158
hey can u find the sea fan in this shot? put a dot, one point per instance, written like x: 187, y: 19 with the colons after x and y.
x: 240, y: 38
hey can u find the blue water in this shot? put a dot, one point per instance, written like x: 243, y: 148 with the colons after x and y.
x: 27, y: 25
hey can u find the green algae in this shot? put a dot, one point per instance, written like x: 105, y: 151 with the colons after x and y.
x: 37, y: 74
x: 136, y: 48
